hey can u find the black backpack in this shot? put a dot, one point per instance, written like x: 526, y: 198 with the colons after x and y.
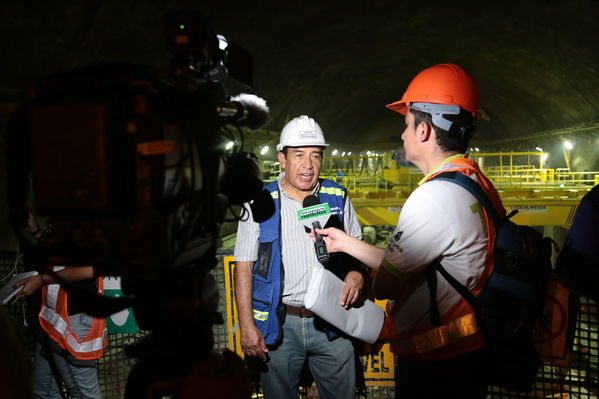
x: 512, y: 301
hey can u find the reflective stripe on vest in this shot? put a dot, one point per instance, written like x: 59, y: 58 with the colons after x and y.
x: 54, y: 319
x: 62, y: 327
x: 441, y: 336
x: 332, y: 191
x: 258, y: 315
x: 459, y: 332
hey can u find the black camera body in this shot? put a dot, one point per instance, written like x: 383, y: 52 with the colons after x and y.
x: 127, y: 163
x: 116, y: 151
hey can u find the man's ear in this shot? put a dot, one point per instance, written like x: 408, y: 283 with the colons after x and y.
x: 424, y: 132
x: 282, y: 159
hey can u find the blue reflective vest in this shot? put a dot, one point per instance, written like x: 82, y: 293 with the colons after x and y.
x: 268, y: 308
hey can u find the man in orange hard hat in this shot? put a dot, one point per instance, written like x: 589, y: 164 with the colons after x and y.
x: 438, y: 351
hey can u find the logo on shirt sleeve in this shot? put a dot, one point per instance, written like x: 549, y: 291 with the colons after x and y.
x: 394, y: 244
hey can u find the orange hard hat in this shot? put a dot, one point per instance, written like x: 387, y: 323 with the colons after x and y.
x: 447, y: 84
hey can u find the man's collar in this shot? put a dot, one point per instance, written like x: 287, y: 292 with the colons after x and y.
x: 439, y: 165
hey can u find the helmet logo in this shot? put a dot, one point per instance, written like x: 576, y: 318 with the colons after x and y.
x: 307, y: 135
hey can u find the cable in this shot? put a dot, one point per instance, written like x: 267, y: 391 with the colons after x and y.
x: 11, y: 273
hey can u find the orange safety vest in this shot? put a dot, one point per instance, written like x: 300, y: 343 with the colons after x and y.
x: 459, y: 332
x: 54, y: 319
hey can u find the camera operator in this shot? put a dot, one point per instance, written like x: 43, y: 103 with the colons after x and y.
x: 71, y: 341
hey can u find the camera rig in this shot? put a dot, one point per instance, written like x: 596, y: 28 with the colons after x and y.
x: 127, y: 162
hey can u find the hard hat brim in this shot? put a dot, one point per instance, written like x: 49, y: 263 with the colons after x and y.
x: 398, y: 106
x: 281, y: 146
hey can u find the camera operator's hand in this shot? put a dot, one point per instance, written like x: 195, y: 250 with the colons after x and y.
x: 252, y: 342
x: 354, y: 281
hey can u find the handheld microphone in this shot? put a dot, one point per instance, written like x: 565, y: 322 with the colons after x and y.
x: 313, y: 213
x: 245, y: 109
x: 319, y: 245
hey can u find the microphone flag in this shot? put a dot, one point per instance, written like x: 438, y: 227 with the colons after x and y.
x: 316, y: 213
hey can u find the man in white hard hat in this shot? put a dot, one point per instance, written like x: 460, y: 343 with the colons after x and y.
x: 274, y: 262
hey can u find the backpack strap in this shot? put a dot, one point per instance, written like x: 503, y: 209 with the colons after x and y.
x: 463, y: 291
x: 474, y: 189
x: 431, y: 279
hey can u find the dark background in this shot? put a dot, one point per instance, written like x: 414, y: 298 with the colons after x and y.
x: 536, y: 61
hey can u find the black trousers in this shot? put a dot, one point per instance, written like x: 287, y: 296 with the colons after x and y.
x: 459, y: 377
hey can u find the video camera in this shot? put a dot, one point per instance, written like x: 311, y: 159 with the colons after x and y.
x: 128, y: 164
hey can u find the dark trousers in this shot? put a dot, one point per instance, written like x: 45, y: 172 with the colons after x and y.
x: 459, y: 377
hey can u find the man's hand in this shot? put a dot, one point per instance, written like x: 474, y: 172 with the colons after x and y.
x: 30, y: 285
x: 252, y: 342
x: 354, y: 281
x: 333, y: 237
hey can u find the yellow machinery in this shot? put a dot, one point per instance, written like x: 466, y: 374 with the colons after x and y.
x: 544, y: 197
x: 379, y: 188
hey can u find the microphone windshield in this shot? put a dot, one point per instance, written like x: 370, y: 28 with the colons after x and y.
x: 310, y: 200
x: 255, y: 109
x: 263, y: 207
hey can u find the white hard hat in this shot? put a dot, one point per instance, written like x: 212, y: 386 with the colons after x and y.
x: 302, y: 131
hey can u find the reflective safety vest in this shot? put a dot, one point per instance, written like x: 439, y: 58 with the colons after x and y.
x: 54, y: 319
x: 268, y: 271
x: 459, y: 331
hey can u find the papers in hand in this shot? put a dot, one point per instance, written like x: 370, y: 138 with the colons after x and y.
x: 363, y: 320
x: 9, y: 290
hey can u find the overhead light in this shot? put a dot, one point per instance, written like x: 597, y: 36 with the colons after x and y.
x: 229, y: 145
x: 349, y: 153
x: 476, y: 149
x: 334, y: 152
x: 539, y: 149
x: 343, y: 154
x: 264, y: 150
x: 568, y: 145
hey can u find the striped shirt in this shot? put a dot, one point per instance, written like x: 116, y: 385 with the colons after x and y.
x: 297, y: 249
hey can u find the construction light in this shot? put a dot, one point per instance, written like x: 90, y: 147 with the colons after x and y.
x: 264, y: 150
x: 343, y: 154
x: 545, y: 156
x: 568, y: 145
x: 334, y: 152
x: 349, y: 153
x: 476, y: 149
x: 229, y: 145
x: 539, y: 149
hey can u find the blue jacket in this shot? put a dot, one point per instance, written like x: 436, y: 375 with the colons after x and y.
x: 269, y: 311
x: 578, y: 262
